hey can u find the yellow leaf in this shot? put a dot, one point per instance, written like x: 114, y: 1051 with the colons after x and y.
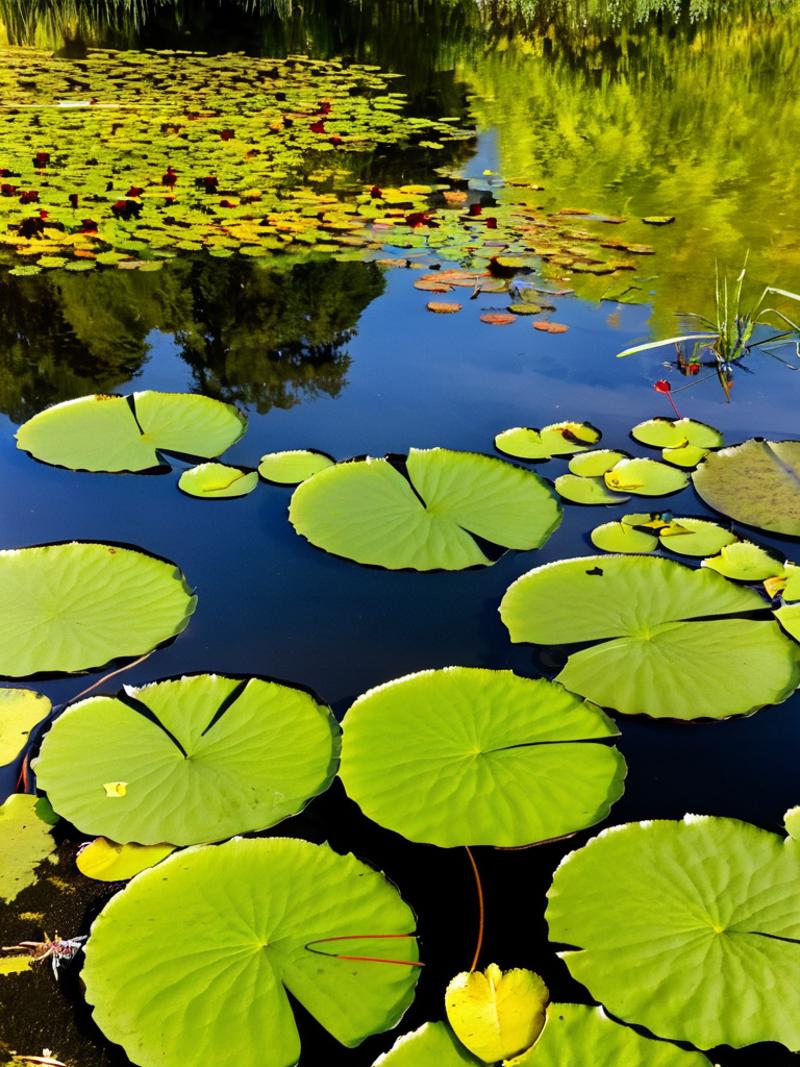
x: 106, y: 861
x: 115, y: 789
x: 496, y: 1014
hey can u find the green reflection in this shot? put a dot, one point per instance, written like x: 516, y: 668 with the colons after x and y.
x: 262, y: 337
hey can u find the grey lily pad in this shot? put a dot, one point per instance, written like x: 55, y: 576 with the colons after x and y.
x: 511, y: 760
x: 188, y: 760
x: 427, y: 518
x: 672, y: 640
x: 71, y: 607
x: 757, y: 483
x: 119, y: 433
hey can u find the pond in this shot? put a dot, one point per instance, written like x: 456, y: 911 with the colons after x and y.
x: 569, y: 124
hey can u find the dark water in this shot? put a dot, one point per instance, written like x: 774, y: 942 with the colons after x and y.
x: 343, y: 357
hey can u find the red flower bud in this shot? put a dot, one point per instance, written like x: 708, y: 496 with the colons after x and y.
x: 662, y: 386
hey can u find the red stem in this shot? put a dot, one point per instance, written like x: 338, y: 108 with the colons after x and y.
x: 481, y: 909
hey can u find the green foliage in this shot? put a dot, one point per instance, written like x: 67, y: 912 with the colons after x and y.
x: 74, y: 606
x: 267, y: 916
x: 25, y: 842
x: 710, y: 910
x: 20, y: 711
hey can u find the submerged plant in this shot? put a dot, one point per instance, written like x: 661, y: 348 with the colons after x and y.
x: 733, y: 331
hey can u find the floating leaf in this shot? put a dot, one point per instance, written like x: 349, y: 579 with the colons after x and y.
x: 575, y: 1033
x: 525, y: 308
x: 117, y: 433
x: 557, y: 439
x: 551, y: 327
x: 498, y: 318
x: 443, y: 307
x: 293, y: 467
x: 368, y: 511
x: 708, y: 906
x: 667, y: 650
x: 230, y: 930
x: 25, y: 842
x: 645, y: 477
x: 74, y: 606
x: 683, y: 442
x: 107, y: 861
x: 621, y: 537
x: 586, y: 490
x: 791, y: 821
x: 432, y: 1045
x: 757, y: 482
x: 202, y: 757
x: 745, y: 562
x: 695, y: 537
x: 511, y: 760
x: 496, y: 1014
x: 789, y: 618
x: 658, y: 220
x: 20, y: 711
x: 217, y: 481
x: 595, y: 464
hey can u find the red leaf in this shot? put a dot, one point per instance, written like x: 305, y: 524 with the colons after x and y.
x: 134, y: 190
x: 324, y: 107
x: 376, y: 192
x: 491, y: 223
x: 475, y: 210
x: 336, y: 140
x: 41, y: 159
x: 318, y: 127
x: 29, y: 196
x: 8, y: 190
x: 88, y: 226
x: 170, y: 178
x: 226, y: 135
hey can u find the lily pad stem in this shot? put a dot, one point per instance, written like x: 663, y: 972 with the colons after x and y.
x: 481, y: 909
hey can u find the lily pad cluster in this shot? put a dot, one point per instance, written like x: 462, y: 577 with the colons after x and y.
x: 683, y: 442
x: 124, y: 158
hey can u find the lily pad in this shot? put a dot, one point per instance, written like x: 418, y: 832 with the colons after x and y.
x: 293, y: 467
x: 576, y: 1033
x: 228, y: 931
x: 217, y: 481
x: 581, y: 490
x: 427, y: 518
x: 645, y: 477
x: 20, y: 711
x: 75, y: 606
x: 107, y: 861
x: 432, y: 1045
x: 595, y: 464
x: 200, y: 758
x: 745, y: 562
x: 621, y: 537
x: 707, y: 907
x: 511, y: 760
x: 757, y: 483
x: 126, y: 433
x: 496, y: 1014
x: 667, y: 648
x: 25, y: 842
x: 695, y: 537
x: 673, y: 433
x: 789, y: 618
x: 557, y: 439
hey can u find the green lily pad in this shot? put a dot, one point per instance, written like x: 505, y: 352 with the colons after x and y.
x: 666, y: 648
x: 579, y: 490
x: 192, y: 759
x: 557, y: 439
x: 118, y: 433
x: 368, y: 511
x: 20, y: 711
x: 576, y: 1033
x: 675, y: 433
x: 217, y: 481
x: 789, y: 618
x: 76, y: 606
x: 526, y: 307
x: 707, y: 907
x: 293, y: 467
x: 432, y: 1045
x: 227, y: 931
x: 595, y: 464
x: 107, y: 861
x: 757, y: 483
x: 645, y: 477
x: 511, y: 760
x: 791, y: 821
x: 686, y: 456
x: 695, y: 537
x: 621, y: 537
x: 25, y: 842
x: 745, y: 562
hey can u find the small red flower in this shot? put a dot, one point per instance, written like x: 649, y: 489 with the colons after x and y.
x: 318, y: 127
x: 88, y: 226
x: 376, y: 192
x: 226, y: 135
x: 324, y: 107
x: 662, y: 386
x: 41, y: 159
x: 43, y: 214
x: 29, y: 196
x: 418, y: 218
x: 8, y: 190
x: 336, y: 140
x: 134, y: 190
x: 693, y: 368
x: 170, y: 178
x: 475, y: 210
x: 491, y: 223
x: 226, y: 203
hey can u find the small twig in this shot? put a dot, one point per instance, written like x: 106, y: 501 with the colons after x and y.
x: 481, y: 909
x: 108, y: 677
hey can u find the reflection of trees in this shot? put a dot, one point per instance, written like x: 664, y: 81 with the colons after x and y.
x: 265, y: 337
